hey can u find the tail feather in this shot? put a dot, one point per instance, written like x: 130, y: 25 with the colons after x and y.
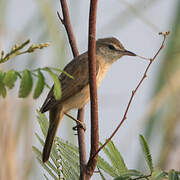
x: 55, y: 116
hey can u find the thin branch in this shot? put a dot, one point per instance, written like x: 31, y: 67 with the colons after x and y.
x: 16, y: 50
x: 134, y: 92
x: 81, y: 134
x: 82, y: 145
x: 91, y: 165
x: 67, y: 24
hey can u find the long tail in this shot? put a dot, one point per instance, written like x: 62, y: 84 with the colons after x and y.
x: 55, y: 116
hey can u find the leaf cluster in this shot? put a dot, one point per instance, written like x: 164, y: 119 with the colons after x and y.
x: 8, y: 79
x: 64, y: 160
x: 26, y: 77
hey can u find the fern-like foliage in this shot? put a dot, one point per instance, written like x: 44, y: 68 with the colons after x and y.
x: 115, y: 158
x: 64, y: 160
x: 146, y: 151
x: 117, y: 168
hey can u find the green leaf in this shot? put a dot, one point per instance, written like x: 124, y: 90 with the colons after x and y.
x: 2, y: 75
x: 69, y: 157
x: 122, y: 178
x: 57, y: 85
x: 47, y: 169
x: 101, y: 174
x: 105, y: 166
x: 115, y: 157
x: 26, y: 84
x: 63, y: 154
x: 44, y: 124
x: 129, y: 173
x: 3, y: 91
x: 146, y: 151
x: 158, y: 175
x: 2, y: 86
x: 50, y: 165
x: 53, y: 155
x: 173, y: 175
x: 39, y: 86
x: 10, y: 78
x: 46, y: 177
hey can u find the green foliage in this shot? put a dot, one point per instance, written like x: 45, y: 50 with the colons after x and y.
x: 116, y: 159
x: 123, y: 173
x: 26, y: 84
x: 101, y: 174
x: 57, y: 85
x: 39, y: 85
x: 158, y: 175
x: 118, y: 169
x: 173, y: 175
x: 2, y: 85
x: 64, y: 160
x: 105, y: 166
x: 128, y: 174
x: 146, y: 152
x: 10, y: 78
x: 49, y: 167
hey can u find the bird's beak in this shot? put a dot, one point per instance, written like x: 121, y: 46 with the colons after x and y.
x: 129, y: 53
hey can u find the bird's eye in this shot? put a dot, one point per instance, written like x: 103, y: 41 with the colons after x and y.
x: 111, y: 47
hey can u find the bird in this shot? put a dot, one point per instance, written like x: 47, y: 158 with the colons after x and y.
x: 75, y: 91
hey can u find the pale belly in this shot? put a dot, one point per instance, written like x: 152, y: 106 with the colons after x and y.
x: 80, y: 99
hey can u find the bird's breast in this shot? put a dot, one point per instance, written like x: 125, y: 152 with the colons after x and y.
x: 82, y: 97
x: 101, y: 73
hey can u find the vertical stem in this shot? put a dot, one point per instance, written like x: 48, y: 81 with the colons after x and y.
x: 82, y: 145
x: 67, y: 23
x: 91, y: 165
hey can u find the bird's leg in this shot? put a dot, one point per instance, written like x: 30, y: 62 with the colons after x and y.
x: 80, y: 124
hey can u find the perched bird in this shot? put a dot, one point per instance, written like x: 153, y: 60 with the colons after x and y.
x: 75, y: 92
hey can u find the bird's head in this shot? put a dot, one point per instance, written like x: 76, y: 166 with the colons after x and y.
x: 111, y: 49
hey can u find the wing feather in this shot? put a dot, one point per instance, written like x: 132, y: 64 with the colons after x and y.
x: 78, y: 68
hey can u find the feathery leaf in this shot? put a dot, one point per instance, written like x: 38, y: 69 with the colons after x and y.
x: 146, y: 151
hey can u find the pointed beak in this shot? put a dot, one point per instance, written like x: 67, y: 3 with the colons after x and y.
x: 128, y: 53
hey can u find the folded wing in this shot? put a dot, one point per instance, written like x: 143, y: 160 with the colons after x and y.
x: 78, y: 68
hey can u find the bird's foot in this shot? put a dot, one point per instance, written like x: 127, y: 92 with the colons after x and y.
x: 79, y: 123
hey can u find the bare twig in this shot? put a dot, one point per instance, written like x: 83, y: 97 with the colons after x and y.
x: 80, y: 117
x: 93, y: 89
x: 134, y: 92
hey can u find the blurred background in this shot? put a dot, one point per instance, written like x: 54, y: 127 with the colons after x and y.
x: 155, y: 110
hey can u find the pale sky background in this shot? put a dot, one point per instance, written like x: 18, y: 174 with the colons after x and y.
x: 114, y: 93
